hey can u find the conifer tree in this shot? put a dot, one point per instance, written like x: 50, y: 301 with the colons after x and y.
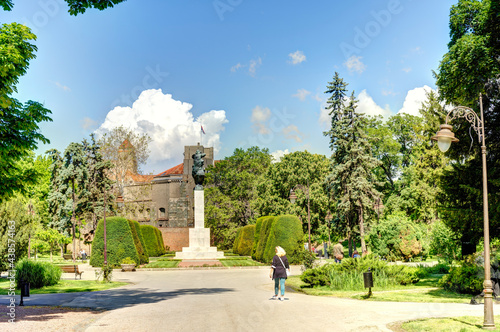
x: 351, y: 182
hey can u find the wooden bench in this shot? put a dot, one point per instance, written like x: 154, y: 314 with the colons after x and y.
x: 68, y: 256
x: 72, y: 269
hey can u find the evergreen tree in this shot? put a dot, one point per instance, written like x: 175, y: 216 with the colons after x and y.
x: 351, y: 182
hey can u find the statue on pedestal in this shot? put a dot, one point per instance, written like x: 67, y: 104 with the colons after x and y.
x: 198, y: 172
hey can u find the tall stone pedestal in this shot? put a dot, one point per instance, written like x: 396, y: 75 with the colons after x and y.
x: 199, y: 236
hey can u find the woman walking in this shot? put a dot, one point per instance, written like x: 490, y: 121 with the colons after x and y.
x: 279, y: 269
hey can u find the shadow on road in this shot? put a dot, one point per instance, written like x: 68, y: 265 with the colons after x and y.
x: 120, y: 298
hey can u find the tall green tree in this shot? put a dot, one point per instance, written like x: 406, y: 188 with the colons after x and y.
x: 471, y: 67
x: 351, y: 182
x: 231, y: 192
x: 19, y: 131
x: 304, y: 173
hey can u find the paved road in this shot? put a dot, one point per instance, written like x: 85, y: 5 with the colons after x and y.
x: 233, y: 300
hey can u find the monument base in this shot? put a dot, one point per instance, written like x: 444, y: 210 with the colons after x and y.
x: 199, y: 236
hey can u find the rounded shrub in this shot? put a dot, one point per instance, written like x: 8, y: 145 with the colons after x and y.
x: 243, y: 243
x: 467, y: 278
x: 38, y: 274
x: 258, y: 225
x: 267, y: 222
x: 139, y: 242
x: 151, y: 237
x: 120, y: 243
x: 286, y: 231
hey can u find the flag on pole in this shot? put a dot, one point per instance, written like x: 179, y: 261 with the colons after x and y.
x: 203, y: 131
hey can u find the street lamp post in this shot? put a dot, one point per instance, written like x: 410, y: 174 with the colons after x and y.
x: 444, y: 138
x: 293, y: 197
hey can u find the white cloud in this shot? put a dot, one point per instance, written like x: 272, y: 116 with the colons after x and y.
x: 354, y: 64
x: 317, y: 97
x: 277, y: 155
x: 254, y: 64
x: 169, y: 123
x: 259, y: 118
x: 407, y: 69
x: 301, y: 94
x: 414, y: 99
x: 367, y: 105
x: 296, y: 57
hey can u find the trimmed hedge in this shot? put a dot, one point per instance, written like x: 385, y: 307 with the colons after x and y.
x: 152, y: 239
x: 38, y: 274
x: 161, y: 250
x: 263, y: 235
x: 120, y: 243
x: 137, y: 235
x: 243, y: 243
x: 258, y: 226
x: 286, y: 231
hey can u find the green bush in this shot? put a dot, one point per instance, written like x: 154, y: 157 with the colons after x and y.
x: 38, y: 274
x: 467, y: 278
x: 349, y: 274
x: 444, y: 243
x: 440, y: 268
x: 152, y: 239
x: 243, y: 243
x: 286, y: 231
x: 307, y: 258
x: 137, y: 235
x: 258, y: 226
x: 120, y: 243
x: 267, y: 222
x: 319, y: 276
x: 161, y: 246
x: 397, y: 238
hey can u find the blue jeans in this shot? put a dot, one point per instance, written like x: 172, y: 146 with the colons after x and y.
x: 279, y: 282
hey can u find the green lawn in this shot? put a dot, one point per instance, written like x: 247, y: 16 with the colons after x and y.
x: 65, y: 286
x: 239, y: 261
x: 425, y: 290
x: 162, y: 263
x: 462, y: 324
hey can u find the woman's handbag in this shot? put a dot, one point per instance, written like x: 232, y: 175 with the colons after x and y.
x: 287, y: 272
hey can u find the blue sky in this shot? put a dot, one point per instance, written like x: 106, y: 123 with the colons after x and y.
x: 251, y: 72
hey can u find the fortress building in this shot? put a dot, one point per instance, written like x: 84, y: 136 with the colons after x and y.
x: 165, y: 200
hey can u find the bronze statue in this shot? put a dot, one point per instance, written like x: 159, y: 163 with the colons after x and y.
x: 198, y: 172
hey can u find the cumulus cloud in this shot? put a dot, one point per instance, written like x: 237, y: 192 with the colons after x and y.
x: 169, y: 123
x: 277, y: 155
x: 259, y: 119
x: 414, y: 99
x: 354, y: 64
x: 301, y: 94
x: 296, y: 57
x: 367, y: 105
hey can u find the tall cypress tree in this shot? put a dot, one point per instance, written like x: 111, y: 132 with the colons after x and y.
x: 351, y: 181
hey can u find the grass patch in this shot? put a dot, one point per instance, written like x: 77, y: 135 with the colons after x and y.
x: 462, y: 324
x: 244, y: 261
x: 65, y: 286
x: 425, y: 290
x: 162, y: 263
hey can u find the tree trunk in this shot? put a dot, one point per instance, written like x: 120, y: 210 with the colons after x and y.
x: 362, y: 229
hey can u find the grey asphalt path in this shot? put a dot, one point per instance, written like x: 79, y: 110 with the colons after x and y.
x: 234, y: 300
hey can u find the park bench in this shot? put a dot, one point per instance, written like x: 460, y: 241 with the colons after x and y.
x: 68, y: 256
x: 72, y: 269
